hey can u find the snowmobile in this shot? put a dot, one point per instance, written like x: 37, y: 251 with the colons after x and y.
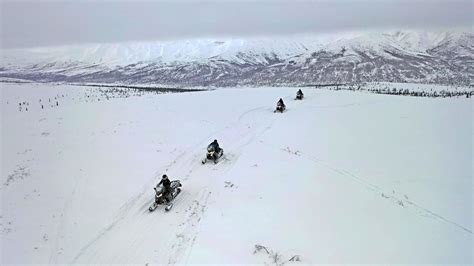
x: 299, y: 96
x: 213, y: 155
x: 280, y: 108
x: 162, y: 199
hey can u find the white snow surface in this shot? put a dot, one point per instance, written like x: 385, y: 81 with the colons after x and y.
x: 340, y: 177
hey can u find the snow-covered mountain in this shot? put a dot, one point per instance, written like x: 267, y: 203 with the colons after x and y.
x: 402, y: 56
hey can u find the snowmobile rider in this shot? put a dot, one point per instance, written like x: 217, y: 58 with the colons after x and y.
x: 281, y: 103
x: 215, y: 145
x: 299, y: 93
x: 167, y: 187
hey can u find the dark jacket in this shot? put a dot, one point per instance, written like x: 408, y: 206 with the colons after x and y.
x: 166, y: 183
x: 280, y: 102
x: 215, y: 145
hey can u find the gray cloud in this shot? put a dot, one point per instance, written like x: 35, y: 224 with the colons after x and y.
x: 45, y: 23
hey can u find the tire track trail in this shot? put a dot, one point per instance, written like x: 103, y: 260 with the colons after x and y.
x: 383, y: 192
x: 133, y: 226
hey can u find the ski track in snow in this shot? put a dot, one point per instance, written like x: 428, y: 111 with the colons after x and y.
x: 370, y: 186
x: 187, y: 237
x: 399, y: 200
x: 124, y: 210
x: 241, y: 133
x: 61, y: 231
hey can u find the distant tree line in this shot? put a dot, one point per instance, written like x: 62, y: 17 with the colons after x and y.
x: 406, y: 92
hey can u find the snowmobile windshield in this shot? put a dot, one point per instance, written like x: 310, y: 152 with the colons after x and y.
x: 159, y: 189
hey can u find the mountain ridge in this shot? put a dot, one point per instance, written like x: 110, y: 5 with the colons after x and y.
x: 445, y: 57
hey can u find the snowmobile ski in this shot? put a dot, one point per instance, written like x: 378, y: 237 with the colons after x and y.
x: 153, y: 207
x: 169, y: 206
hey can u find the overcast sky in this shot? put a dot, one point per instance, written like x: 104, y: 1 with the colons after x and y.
x: 45, y: 23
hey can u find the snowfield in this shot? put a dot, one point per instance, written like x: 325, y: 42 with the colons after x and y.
x: 340, y: 177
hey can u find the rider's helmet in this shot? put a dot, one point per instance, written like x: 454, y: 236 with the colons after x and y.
x: 164, y: 176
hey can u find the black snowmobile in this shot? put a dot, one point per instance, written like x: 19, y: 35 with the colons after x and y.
x: 299, y: 95
x: 162, y: 198
x: 212, y: 154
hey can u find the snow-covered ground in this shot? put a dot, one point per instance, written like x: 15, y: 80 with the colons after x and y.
x: 341, y: 177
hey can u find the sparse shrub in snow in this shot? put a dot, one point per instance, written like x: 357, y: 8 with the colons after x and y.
x: 440, y: 91
x: 275, y: 257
